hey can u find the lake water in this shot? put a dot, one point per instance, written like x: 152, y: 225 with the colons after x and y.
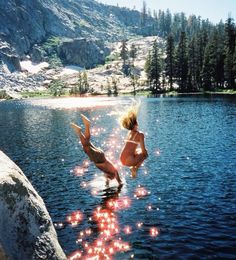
x: 187, y: 205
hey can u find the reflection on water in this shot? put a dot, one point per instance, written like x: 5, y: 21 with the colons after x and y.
x: 72, y: 103
x: 182, y: 203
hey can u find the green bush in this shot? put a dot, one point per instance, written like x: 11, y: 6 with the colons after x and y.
x: 57, y: 87
x: 50, y: 47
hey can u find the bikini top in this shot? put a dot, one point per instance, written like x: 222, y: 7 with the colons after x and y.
x: 132, y: 140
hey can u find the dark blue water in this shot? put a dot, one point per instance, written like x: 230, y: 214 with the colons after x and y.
x: 190, y: 173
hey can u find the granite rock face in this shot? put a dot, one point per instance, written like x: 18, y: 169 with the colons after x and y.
x: 26, y: 229
x: 24, y: 23
x: 82, y: 52
x: 9, y: 57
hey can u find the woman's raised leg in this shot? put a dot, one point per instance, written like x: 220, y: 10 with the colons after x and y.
x: 86, y: 122
x: 84, y: 140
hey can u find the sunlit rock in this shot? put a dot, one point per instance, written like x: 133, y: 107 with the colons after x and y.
x: 26, y: 229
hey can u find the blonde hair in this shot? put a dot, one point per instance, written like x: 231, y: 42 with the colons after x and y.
x: 129, y: 119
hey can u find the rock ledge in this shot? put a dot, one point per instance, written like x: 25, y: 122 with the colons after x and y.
x: 26, y: 229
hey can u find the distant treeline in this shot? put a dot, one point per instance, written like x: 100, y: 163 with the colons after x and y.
x: 198, y: 55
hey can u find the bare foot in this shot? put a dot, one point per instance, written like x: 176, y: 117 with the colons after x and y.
x: 86, y: 121
x: 75, y: 127
x: 133, y: 170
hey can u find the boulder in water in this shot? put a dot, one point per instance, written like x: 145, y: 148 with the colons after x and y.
x: 26, y: 229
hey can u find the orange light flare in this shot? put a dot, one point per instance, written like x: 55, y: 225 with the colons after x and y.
x: 83, y: 184
x: 96, y: 130
x: 86, y: 163
x: 94, y: 192
x: 106, y: 245
x: 127, y: 230
x: 141, y: 192
x: 95, y: 118
x: 85, y: 233
x: 59, y: 225
x: 121, y: 246
x: 88, y: 231
x: 119, y: 204
x: 139, y: 224
x: 153, y: 232
x: 105, y: 251
x: 75, y: 255
x: 75, y: 218
x: 79, y: 171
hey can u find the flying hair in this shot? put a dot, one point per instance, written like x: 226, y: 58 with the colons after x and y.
x: 129, y: 118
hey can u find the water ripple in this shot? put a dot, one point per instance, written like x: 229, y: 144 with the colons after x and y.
x: 190, y: 172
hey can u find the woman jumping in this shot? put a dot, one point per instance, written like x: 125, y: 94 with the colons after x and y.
x: 95, y: 154
x: 131, y: 156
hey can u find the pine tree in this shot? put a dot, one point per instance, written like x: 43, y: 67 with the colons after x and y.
x: 192, y: 66
x: 114, y: 86
x: 124, y: 54
x: 134, y: 82
x: 201, y: 41
x: 230, y: 33
x: 168, y: 22
x: 155, y: 23
x: 183, y: 21
x: 208, y: 68
x: 133, y: 53
x: 124, y: 51
x: 85, y: 82
x: 80, y: 84
x: 176, y: 27
x: 144, y: 14
x: 219, y: 77
x: 181, y: 67
x: 161, y: 24
x: 169, y: 61
x: 147, y: 68
x: 234, y: 64
x: 108, y: 87
x: 155, y: 69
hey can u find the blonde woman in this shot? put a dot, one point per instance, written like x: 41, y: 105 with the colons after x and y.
x: 94, y: 153
x: 130, y: 155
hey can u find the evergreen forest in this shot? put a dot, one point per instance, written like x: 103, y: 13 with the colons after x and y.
x: 198, y: 55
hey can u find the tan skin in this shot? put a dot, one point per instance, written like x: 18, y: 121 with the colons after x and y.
x: 130, y: 156
x: 107, y: 167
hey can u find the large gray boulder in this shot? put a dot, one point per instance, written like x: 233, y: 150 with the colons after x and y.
x: 26, y: 229
x: 82, y: 52
x: 9, y: 57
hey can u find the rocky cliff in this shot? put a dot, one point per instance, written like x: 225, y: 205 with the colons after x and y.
x: 24, y: 23
x: 80, y: 51
x: 26, y: 229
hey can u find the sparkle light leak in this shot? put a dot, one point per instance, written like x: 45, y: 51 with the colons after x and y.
x: 108, y: 234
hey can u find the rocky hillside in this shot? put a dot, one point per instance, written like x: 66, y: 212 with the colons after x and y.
x: 110, y: 74
x: 62, y: 33
x: 26, y: 24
